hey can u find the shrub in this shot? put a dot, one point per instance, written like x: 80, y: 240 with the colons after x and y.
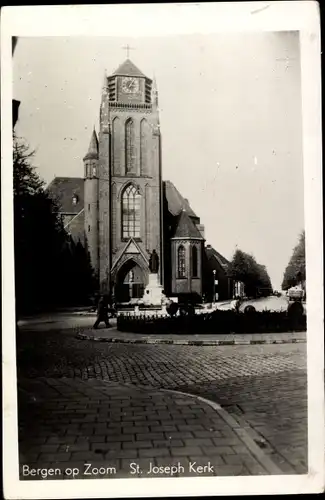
x: 217, y: 322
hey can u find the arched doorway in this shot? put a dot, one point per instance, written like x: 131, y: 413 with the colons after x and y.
x: 130, y: 282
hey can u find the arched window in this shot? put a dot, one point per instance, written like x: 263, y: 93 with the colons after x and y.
x: 131, y: 207
x: 194, y: 262
x: 130, y: 165
x: 116, y: 149
x: 144, y: 146
x: 181, y: 268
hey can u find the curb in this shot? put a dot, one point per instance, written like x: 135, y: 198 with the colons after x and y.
x: 89, y: 314
x: 241, y: 432
x: 116, y: 340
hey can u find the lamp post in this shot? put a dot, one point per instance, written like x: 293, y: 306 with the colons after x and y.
x: 214, y: 285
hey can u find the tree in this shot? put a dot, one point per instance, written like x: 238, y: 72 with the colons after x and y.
x: 49, y: 269
x: 244, y: 268
x: 295, y: 271
x: 36, y: 232
x: 78, y: 274
x: 263, y: 282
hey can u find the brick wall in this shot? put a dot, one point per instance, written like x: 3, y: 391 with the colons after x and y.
x: 145, y: 177
x: 91, y: 217
x: 188, y: 285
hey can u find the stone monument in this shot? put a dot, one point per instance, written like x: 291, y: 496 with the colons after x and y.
x: 154, y: 262
x: 153, y: 293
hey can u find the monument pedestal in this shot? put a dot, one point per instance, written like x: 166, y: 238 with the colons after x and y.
x: 153, y: 293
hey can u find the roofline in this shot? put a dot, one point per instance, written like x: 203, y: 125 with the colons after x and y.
x: 77, y: 215
x: 127, y: 74
x: 139, y: 74
x: 65, y: 177
x: 68, y: 213
x: 219, y: 260
x: 187, y: 238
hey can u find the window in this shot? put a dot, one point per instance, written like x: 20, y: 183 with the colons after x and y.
x: 129, y: 147
x: 181, y: 262
x: 89, y: 206
x: 74, y: 199
x: 194, y: 262
x: 144, y: 146
x: 116, y: 146
x: 131, y: 208
x: 94, y: 172
x: 88, y: 228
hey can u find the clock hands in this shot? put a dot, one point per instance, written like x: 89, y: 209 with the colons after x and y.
x: 130, y: 85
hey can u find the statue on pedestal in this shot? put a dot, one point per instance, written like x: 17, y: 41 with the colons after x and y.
x: 154, y: 262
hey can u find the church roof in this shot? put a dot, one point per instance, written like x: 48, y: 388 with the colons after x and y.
x: 176, y: 202
x: 186, y: 228
x: 127, y: 68
x: 92, y: 152
x: 69, y: 193
x: 213, y: 254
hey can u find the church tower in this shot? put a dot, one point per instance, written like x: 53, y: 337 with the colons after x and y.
x: 91, y: 200
x: 129, y: 182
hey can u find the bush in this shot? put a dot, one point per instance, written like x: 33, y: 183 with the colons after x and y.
x: 217, y: 322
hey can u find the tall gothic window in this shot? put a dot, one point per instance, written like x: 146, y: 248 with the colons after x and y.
x: 116, y: 140
x: 194, y: 262
x: 131, y: 207
x: 144, y: 145
x: 129, y: 147
x: 181, y: 268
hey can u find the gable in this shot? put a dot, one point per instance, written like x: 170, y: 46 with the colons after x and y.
x: 127, y: 68
x: 132, y: 248
x: 213, y: 255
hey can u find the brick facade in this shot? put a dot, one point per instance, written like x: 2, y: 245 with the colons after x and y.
x: 127, y: 155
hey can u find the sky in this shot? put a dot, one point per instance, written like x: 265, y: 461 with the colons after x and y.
x: 231, y: 125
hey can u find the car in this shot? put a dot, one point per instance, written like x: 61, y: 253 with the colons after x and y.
x: 295, y: 293
x: 247, y: 305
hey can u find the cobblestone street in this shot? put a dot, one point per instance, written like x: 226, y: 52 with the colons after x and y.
x: 263, y: 387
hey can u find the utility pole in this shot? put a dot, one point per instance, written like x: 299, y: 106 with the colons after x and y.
x: 214, y: 285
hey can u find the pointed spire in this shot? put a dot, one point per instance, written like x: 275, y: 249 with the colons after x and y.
x: 92, y: 153
x: 105, y: 83
x: 185, y: 227
x: 127, y: 68
x: 154, y: 92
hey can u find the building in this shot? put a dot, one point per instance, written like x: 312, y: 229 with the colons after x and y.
x: 122, y: 210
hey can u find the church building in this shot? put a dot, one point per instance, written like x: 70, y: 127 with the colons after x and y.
x: 122, y: 210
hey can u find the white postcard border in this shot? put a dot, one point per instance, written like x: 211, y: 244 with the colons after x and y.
x: 167, y: 19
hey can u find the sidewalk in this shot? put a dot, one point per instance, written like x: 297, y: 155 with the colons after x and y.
x: 90, y: 429
x: 113, y: 335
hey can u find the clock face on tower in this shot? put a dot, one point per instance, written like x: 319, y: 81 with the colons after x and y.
x: 130, y: 85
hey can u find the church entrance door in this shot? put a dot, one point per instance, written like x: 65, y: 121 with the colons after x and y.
x: 130, y: 282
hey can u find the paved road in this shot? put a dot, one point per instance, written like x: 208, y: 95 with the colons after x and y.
x: 123, y: 430
x: 265, y: 386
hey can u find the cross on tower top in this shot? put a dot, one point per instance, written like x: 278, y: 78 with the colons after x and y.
x: 128, y: 48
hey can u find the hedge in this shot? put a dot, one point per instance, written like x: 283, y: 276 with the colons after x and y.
x: 217, y: 322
